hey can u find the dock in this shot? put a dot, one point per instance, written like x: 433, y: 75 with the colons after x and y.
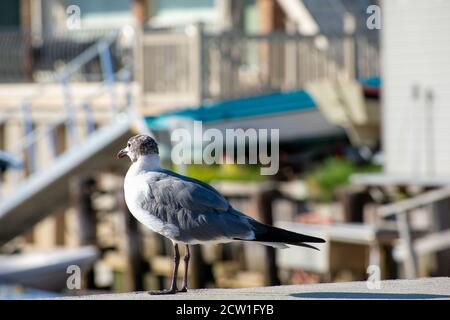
x: 425, y: 288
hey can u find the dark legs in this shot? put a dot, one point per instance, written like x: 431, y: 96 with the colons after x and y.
x: 187, y: 256
x: 176, y: 261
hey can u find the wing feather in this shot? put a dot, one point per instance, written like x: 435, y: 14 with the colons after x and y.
x: 191, y: 194
x: 196, y: 211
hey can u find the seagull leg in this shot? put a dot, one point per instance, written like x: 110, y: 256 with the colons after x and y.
x: 186, y: 258
x: 173, y: 288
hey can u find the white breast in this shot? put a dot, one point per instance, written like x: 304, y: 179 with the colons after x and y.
x: 135, y: 188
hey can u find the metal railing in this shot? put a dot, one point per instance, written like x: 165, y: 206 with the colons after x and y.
x: 201, y: 66
x: 64, y: 128
x: 27, y: 57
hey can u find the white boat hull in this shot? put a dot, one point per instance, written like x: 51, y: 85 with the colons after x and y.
x: 45, y: 270
x: 298, y: 125
x: 293, y: 126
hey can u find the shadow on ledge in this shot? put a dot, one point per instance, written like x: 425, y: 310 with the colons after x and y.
x: 368, y: 295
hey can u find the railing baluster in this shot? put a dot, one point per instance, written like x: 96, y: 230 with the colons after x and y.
x: 90, y: 123
x: 51, y: 134
x: 130, y: 106
x: 29, y: 129
x: 220, y: 64
x: 70, y: 112
x: 197, y: 62
x: 108, y: 74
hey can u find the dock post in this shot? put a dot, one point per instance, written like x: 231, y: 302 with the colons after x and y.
x: 199, y: 270
x: 441, y: 210
x: 82, y: 188
x: 133, y: 244
x: 264, y: 200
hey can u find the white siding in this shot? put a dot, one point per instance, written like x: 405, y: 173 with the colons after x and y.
x: 416, y: 53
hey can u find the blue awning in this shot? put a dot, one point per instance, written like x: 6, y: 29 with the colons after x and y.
x: 261, y: 105
x: 373, y: 82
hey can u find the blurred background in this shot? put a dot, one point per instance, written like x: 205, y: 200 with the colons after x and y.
x: 370, y: 175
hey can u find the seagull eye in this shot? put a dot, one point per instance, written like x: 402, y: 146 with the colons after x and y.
x: 128, y: 144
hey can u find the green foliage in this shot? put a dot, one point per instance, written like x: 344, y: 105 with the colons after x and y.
x: 330, y: 174
x: 229, y: 172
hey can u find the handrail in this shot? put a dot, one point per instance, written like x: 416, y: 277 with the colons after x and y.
x: 72, y: 67
x: 67, y: 116
x: 280, y: 35
x: 418, y: 201
x: 76, y: 63
x: 197, y: 65
x: 34, y: 135
x: 28, y: 140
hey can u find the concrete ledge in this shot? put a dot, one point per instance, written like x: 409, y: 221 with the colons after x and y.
x: 426, y: 288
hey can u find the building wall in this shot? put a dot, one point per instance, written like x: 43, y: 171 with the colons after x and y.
x: 416, y: 87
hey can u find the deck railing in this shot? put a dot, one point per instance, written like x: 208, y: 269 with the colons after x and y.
x: 196, y: 66
x: 65, y: 131
x: 29, y: 57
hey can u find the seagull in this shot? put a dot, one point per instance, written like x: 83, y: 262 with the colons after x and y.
x: 189, y: 211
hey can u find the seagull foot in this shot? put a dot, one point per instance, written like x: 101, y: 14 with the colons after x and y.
x: 162, y: 292
x: 184, y: 289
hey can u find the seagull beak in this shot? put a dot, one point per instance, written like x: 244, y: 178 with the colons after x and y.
x: 122, y: 153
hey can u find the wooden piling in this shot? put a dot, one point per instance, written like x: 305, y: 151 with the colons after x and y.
x: 263, y: 202
x: 81, y: 190
x: 199, y: 270
x: 441, y: 212
x: 133, y: 244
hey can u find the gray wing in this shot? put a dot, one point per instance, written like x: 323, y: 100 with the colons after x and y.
x: 196, y: 210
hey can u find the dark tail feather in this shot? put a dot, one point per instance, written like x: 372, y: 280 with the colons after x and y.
x: 304, y: 245
x: 265, y: 233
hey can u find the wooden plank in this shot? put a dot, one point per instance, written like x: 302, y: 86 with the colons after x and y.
x: 426, y: 245
x: 423, y: 199
x: 389, y: 180
x: 356, y: 233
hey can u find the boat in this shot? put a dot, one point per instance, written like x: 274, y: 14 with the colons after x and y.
x: 294, y: 113
x: 45, y: 270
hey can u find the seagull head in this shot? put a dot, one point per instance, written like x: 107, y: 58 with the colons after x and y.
x: 137, y: 146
